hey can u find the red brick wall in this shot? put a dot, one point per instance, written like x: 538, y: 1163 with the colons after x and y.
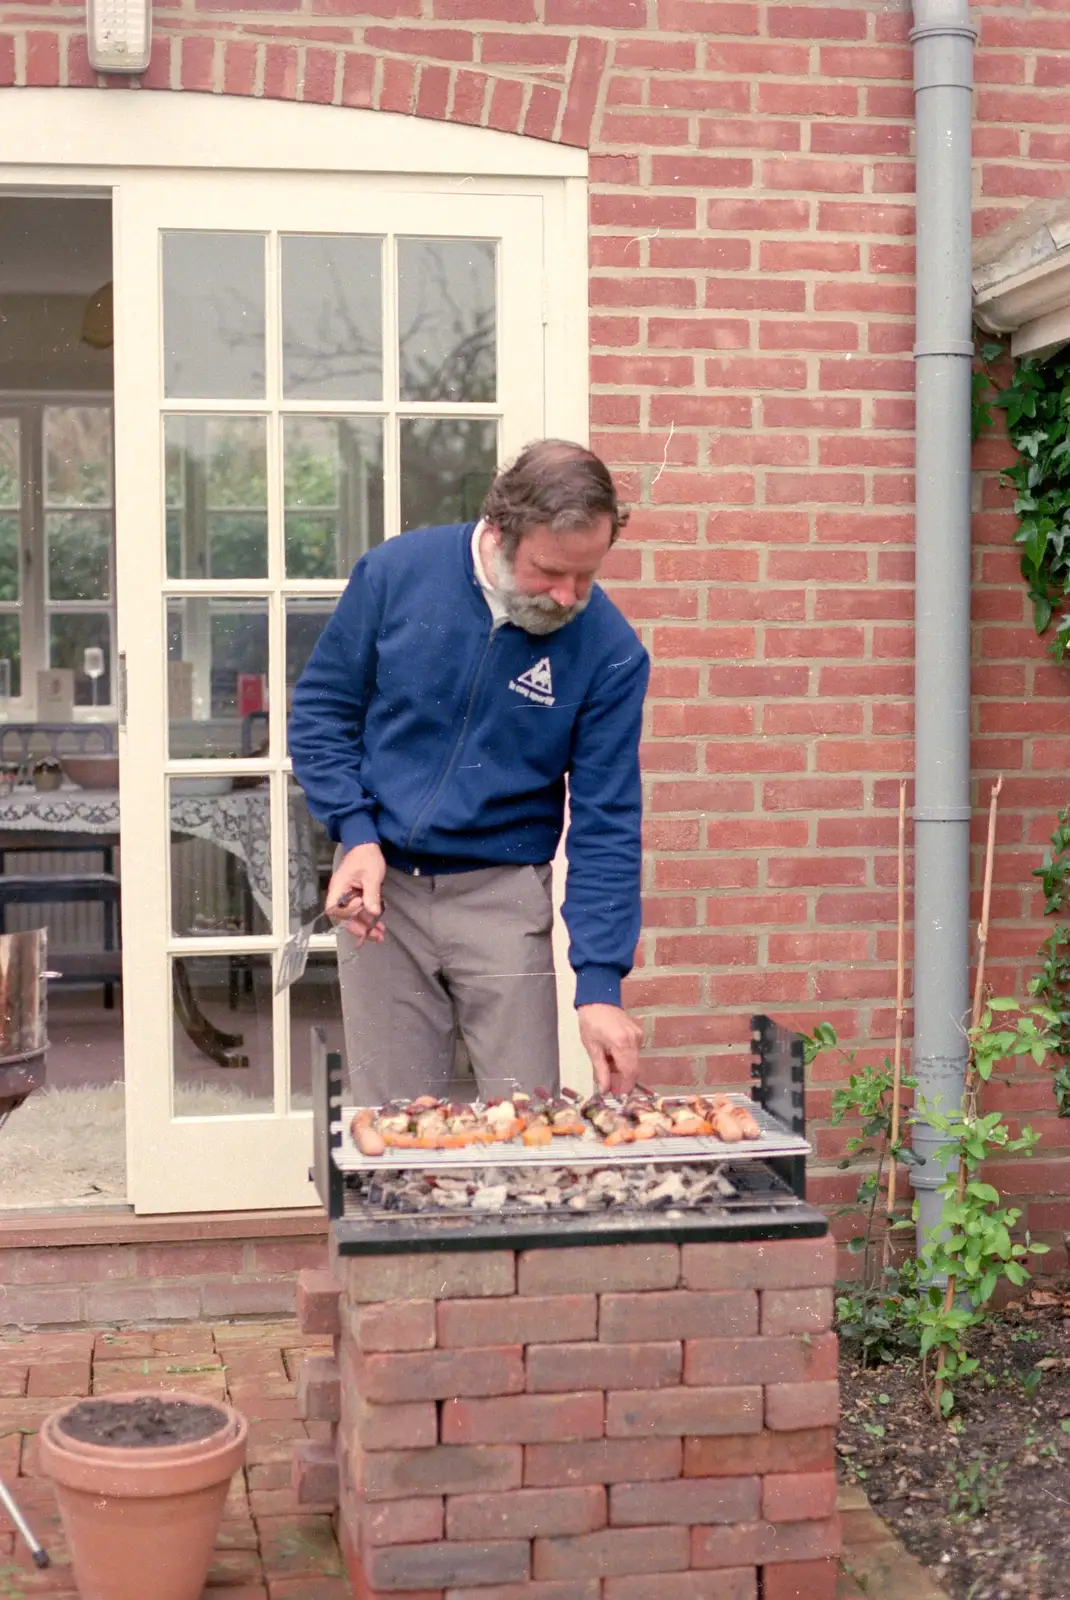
x: 668, y: 1430
x: 751, y: 304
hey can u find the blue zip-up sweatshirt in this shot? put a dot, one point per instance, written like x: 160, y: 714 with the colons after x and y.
x: 417, y: 726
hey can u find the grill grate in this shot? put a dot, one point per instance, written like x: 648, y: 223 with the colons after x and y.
x: 712, y: 1191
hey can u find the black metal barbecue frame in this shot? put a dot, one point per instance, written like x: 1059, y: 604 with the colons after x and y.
x: 774, y: 1208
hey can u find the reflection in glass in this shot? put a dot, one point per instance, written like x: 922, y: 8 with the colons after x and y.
x: 77, y: 455
x: 213, y: 316
x: 333, y: 493
x: 332, y: 315
x: 10, y: 497
x: 10, y: 650
x: 305, y: 621
x: 217, y: 665
x: 9, y: 558
x: 70, y: 634
x: 222, y: 1007
x: 10, y: 585
x: 447, y: 319
x: 220, y: 857
x: 79, y: 555
x: 216, y: 485
x: 315, y: 1002
x: 446, y: 468
x: 311, y: 861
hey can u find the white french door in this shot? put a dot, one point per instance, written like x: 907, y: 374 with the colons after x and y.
x: 305, y: 365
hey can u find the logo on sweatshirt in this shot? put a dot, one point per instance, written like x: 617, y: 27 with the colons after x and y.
x: 536, y: 684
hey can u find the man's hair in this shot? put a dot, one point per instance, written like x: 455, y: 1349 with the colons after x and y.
x: 552, y: 484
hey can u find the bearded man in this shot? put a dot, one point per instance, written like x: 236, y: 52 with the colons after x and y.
x: 467, y: 673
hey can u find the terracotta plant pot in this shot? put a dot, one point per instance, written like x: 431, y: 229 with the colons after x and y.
x: 141, y: 1519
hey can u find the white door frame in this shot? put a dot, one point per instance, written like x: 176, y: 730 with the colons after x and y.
x: 87, y: 141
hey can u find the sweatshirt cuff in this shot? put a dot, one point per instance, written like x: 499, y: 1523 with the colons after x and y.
x: 598, y: 986
x: 357, y: 829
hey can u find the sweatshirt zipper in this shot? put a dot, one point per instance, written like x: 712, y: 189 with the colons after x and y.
x: 430, y: 803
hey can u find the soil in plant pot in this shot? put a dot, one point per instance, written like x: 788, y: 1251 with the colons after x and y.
x: 137, y: 1424
x: 985, y: 1505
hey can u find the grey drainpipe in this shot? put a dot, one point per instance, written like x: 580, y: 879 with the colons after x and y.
x: 943, y: 39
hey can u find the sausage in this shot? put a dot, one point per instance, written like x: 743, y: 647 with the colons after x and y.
x: 367, y: 1138
x: 727, y: 1127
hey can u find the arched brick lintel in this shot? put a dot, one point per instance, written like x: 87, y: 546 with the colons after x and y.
x: 400, y: 69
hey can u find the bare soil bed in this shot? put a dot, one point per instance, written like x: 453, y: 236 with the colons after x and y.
x: 986, y: 1503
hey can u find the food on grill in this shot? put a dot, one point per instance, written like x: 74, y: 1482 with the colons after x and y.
x: 643, y: 1115
x: 431, y: 1124
x: 366, y: 1136
x: 537, y: 1119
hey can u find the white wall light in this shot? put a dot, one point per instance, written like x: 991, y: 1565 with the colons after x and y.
x: 120, y: 34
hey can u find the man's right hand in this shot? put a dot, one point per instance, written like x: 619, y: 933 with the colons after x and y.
x: 363, y: 870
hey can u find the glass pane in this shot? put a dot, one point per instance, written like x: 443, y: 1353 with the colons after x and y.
x: 82, y: 640
x: 315, y: 1002
x: 213, y: 316
x: 217, y: 663
x: 332, y: 318
x: 222, y: 1020
x: 220, y: 856
x: 333, y: 491
x: 10, y: 651
x: 10, y: 475
x: 447, y: 319
x: 216, y: 486
x: 311, y: 860
x: 446, y: 468
x: 79, y: 555
x: 77, y: 452
x: 9, y: 558
x: 305, y: 621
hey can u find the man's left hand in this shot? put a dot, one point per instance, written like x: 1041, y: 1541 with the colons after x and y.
x: 611, y: 1038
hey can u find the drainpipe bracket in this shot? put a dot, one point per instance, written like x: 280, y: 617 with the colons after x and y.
x: 943, y: 347
x: 942, y: 813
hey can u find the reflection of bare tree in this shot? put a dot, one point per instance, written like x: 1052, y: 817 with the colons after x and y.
x: 446, y: 341
x: 447, y: 338
x: 341, y: 353
x: 449, y: 328
x: 224, y: 317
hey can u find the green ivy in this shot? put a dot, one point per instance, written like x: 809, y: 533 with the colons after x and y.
x: 983, y: 389
x: 1051, y: 985
x: 1037, y: 406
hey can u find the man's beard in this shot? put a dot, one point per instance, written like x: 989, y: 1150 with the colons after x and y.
x: 535, y: 613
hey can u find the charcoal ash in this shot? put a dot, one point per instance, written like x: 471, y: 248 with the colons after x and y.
x: 531, y: 1190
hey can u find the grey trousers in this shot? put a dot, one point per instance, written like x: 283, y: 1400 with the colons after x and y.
x: 469, y: 951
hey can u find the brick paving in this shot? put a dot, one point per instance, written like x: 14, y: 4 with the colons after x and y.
x: 269, y: 1548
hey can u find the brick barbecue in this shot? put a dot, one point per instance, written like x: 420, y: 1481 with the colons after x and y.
x: 639, y: 1405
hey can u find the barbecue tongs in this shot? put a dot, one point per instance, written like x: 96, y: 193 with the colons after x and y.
x: 294, y: 957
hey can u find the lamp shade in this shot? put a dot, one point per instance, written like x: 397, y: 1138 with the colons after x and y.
x: 98, y: 329
x: 119, y: 34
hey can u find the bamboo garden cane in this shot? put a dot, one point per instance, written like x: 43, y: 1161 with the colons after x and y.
x: 971, y: 1084
x: 900, y: 1012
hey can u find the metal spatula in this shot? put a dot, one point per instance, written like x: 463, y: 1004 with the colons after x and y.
x: 294, y: 957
